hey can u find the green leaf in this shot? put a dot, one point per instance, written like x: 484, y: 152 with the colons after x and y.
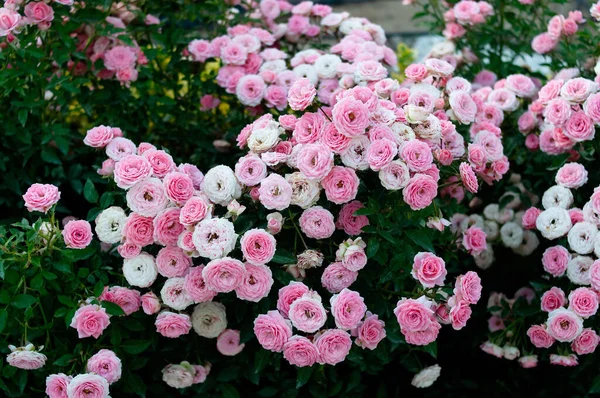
x: 372, y: 248
x: 229, y: 391
x: 431, y: 349
x: 135, y: 347
x: 89, y: 192
x: 98, y: 289
x: 422, y: 238
x: 4, y: 319
x: 595, y: 386
x: 64, y: 360
x: 112, y: 308
x: 268, y: 391
x: 388, y: 236
x: 303, y: 376
x: 66, y: 300
x: 106, y: 199
x: 22, y: 116
x: 283, y: 256
x: 23, y: 300
x: 261, y: 360
x: 136, y: 385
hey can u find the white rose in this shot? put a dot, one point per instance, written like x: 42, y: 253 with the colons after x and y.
x: 492, y: 211
x: 140, y: 270
x: 530, y: 243
x: 472, y: 220
x: 485, y: 259
x: 178, y: 376
x: 214, y: 237
x: 277, y: 65
x: 305, y: 192
x: 395, y: 175
x: 377, y: 33
x: 415, y: 114
x: 553, y: 223
x: 426, y: 377
x: 109, y: 225
x: 221, y: 186
x: 510, y: 352
x: 491, y: 229
x: 597, y: 246
x: 355, y: 156
x: 582, y: 237
x: 557, y: 196
x: 209, y: 319
x: 578, y: 270
x: 511, y: 235
x: 261, y: 140
x: 402, y: 132
x: 307, y: 71
x: 350, y: 24
x: 326, y: 66
x: 590, y: 215
x: 173, y: 294
x: 444, y: 48
x: 430, y: 129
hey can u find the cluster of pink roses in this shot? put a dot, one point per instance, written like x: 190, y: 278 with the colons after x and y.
x: 566, y: 313
x: 257, y: 70
x: 565, y: 112
x: 465, y: 13
x: 558, y: 26
x: 501, y: 225
x: 34, y: 13
x: 103, y: 369
x: 185, y: 374
x: 421, y: 319
x: 302, y: 308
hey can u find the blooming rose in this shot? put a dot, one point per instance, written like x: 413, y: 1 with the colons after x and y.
x: 140, y: 270
x: 555, y: 260
x: 340, y: 185
x: 150, y: 303
x: 214, y: 238
x: 301, y: 94
x: 256, y: 283
x: 468, y: 287
x: 172, y: 325
x: 586, y: 342
x: 553, y: 299
x: 172, y: 261
x: 173, y: 294
x: 209, y: 319
x: 426, y: 377
x: 350, y: 223
x: 258, y: 246
x: 77, y: 234
x: 221, y: 186
x: 228, y: 343
x: 275, y: 193
x: 333, y: 346
x: 474, y: 240
x: 539, y: 336
x: 370, y: 332
x: 88, y: 385
x: 147, y: 197
x: 25, y: 357
x: 420, y: 191
x: 105, y: 363
x: 348, y: 309
x: 307, y: 313
x: 179, y: 376
x: 196, y: 287
x: 56, y: 385
x: 272, y: 330
x: 299, y: 351
x: 350, y: 116
x: 90, y: 320
x: 429, y: 269
x: 572, y: 175
x: 223, y: 275
x: 584, y: 302
x: 564, y: 325
x: 317, y: 223
x: 41, y: 197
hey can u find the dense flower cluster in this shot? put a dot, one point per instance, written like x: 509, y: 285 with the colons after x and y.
x: 502, y: 224
x: 257, y: 70
x: 558, y: 27
x: 16, y: 15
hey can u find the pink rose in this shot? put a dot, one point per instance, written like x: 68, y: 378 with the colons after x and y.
x: 272, y: 331
x: 529, y: 217
x: 192, y: 171
x: 381, y: 152
x: 274, y: 222
x: 420, y: 191
x: 539, y: 336
x: 99, y: 137
x: 429, y: 269
x: 555, y: 260
x: 315, y: 161
x: 223, y: 275
x: 564, y: 325
x: 350, y: 223
x: 250, y: 90
x: 139, y: 230
x: 178, y: 187
x: 579, y: 127
x: 468, y: 287
x: 150, y: 303
x: 341, y: 185
x: 275, y: 193
x: 77, y: 234
x: 350, y: 116
x: 147, y: 197
x: 595, y: 275
x: 416, y: 72
x: 228, y: 343
x: 195, y: 210
x: 105, y: 363
x: 90, y: 320
x: 414, y: 315
x: 172, y: 261
x: 463, y: 106
x: 336, y: 277
x: 317, y: 223
x: 258, y: 246
x: 333, y: 346
x: 354, y: 257
x: 583, y: 302
x: 161, y: 162
x: 288, y: 294
x: 9, y: 19
x: 348, y: 309
x: 557, y: 112
x: 460, y: 314
x: 299, y: 351
x: 130, y: 170
x: 301, y: 94
x: 563, y: 360
x: 56, y: 385
x: 592, y: 107
x: 196, y: 287
x: 25, y: 358
x: 167, y: 227
x: 544, y: 43
x: 128, y: 299
x: 492, y: 349
x: 468, y: 177
x: 474, y: 240
x: 553, y: 299
x: 41, y: 197
x: 39, y: 12
x: 307, y: 313
x: 417, y: 155
x: 208, y: 102
x: 88, y: 385
x: 257, y: 283
x: 120, y: 58
x: 370, y: 332
x: 586, y: 342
